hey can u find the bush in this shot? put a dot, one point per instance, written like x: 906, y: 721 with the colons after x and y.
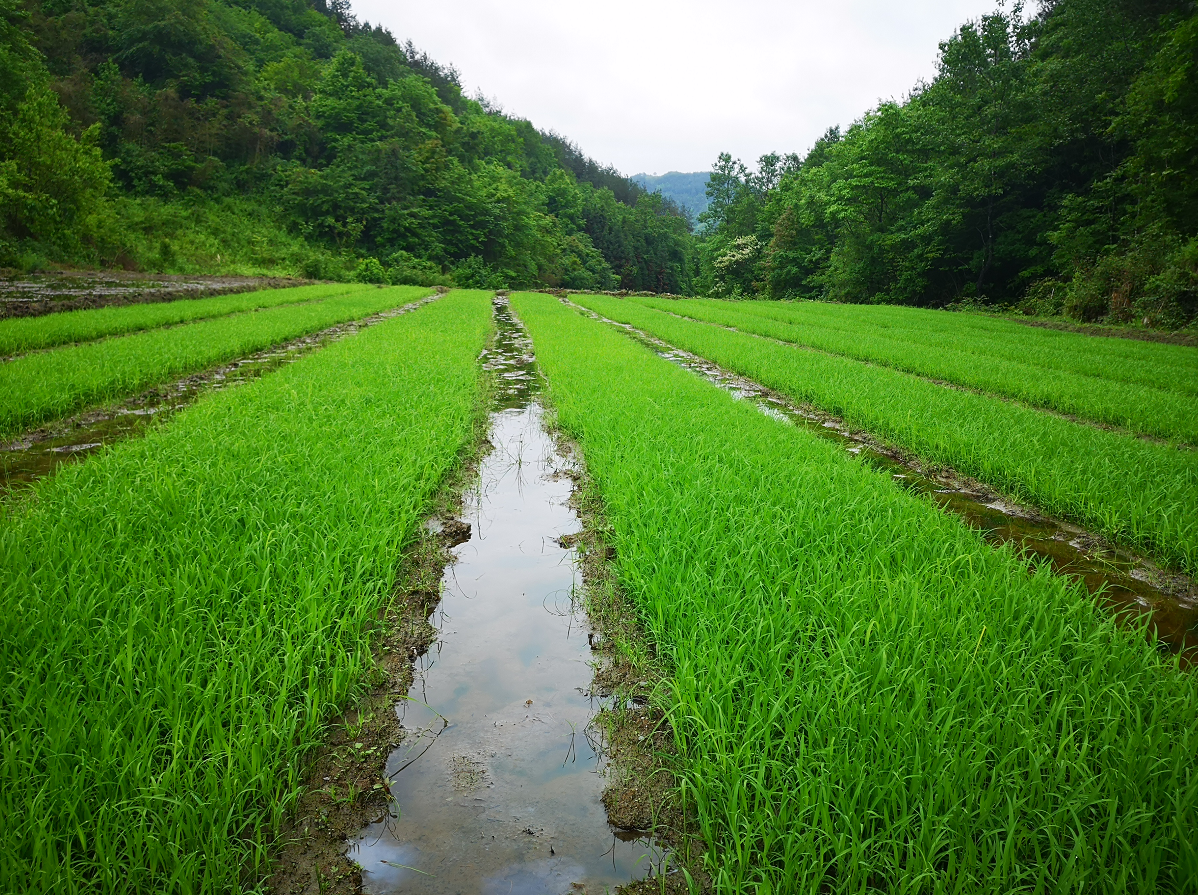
x: 475, y: 273
x: 405, y: 269
x: 369, y: 270
x: 1171, y: 297
x: 322, y: 265
x: 1044, y: 298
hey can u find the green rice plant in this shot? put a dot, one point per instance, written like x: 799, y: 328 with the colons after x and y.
x: 1164, y: 366
x: 47, y: 385
x: 1140, y: 494
x: 184, y: 612
x: 865, y: 695
x: 31, y: 333
x: 1001, y: 364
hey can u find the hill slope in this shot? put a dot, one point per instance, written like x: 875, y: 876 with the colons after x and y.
x: 688, y: 190
x: 285, y: 136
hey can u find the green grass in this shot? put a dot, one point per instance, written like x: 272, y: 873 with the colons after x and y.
x: 47, y: 385
x: 182, y: 612
x: 1140, y: 494
x: 31, y: 333
x: 1172, y: 367
x: 1132, y: 387
x: 866, y: 696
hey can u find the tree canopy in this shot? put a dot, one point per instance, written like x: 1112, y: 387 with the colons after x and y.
x: 365, y: 149
x: 1050, y: 164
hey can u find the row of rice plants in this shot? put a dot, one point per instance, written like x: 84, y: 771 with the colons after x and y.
x: 1171, y: 367
x: 31, y: 333
x: 1141, y: 494
x: 182, y: 612
x: 1153, y: 410
x: 865, y: 696
x: 38, y: 387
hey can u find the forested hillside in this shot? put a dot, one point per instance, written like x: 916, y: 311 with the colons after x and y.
x: 285, y: 136
x: 1052, y: 164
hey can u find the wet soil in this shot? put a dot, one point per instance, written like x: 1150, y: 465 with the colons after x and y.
x: 1111, y: 332
x: 1130, y: 586
x: 497, y: 785
x: 956, y: 386
x: 641, y: 797
x: 38, y: 453
x: 33, y: 295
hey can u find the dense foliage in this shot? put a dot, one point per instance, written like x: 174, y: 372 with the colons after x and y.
x: 1052, y: 162
x: 131, y: 124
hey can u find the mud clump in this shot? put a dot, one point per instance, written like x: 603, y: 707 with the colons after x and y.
x: 38, y: 294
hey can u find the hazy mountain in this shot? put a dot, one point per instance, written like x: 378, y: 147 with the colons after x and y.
x: 688, y: 190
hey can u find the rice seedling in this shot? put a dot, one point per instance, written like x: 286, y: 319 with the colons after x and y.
x: 31, y: 333
x: 1170, y: 367
x: 183, y: 612
x: 38, y: 387
x: 1140, y: 494
x: 1071, y: 381
x: 865, y: 696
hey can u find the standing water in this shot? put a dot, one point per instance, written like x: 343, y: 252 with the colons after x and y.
x: 496, y: 787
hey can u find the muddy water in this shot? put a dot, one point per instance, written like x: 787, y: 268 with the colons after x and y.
x: 496, y: 788
x: 1129, y: 586
x: 37, y: 454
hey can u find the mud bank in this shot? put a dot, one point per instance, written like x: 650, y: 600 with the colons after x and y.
x: 38, y: 294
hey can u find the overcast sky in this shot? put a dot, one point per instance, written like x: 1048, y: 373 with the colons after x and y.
x: 655, y: 86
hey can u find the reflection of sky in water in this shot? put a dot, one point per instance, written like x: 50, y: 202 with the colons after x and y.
x: 505, y: 796
x: 548, y: 878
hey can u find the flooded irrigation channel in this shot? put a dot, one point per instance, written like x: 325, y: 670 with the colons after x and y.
x: 496, y: 787
x: 1127, y: 585
x: 37, y: 454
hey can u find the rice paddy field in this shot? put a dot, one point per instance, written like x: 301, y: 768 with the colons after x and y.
x: 859, y: 692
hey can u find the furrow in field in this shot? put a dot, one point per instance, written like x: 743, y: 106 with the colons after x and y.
x: 24, y: 334
x: 1169, y: 367
x: 49, y: 385
x: 1130, y: 586
x: 864, y: 694
x: 186, y: 610
x: 1164, y: 410
x: 38, y: 453
x: 1136, y: 493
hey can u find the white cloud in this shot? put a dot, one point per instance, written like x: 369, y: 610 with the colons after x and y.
x: 656, y: 86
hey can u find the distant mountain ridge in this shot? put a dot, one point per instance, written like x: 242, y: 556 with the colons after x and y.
x: 688, y: 190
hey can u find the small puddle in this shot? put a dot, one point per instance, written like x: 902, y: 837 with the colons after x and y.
x: 1127, y: 585
x: 496, y: 788
x: 37, y: 454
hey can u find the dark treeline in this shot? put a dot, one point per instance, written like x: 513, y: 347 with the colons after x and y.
x: 1052, y: 164
x: 287, y: 136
